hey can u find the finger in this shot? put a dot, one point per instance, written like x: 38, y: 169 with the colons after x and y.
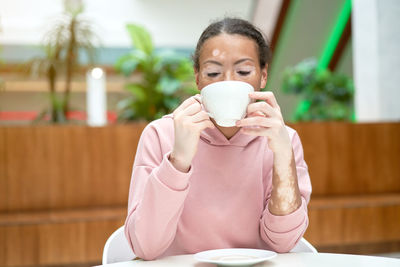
x: 262, y: 106
x: 205, y: 124
x: 256, y: 121
x: 200, y: 116
x: 198, y: 98
x: 255, y: 114
x: 255, y: 131
x: 184, y: 105
x: 191, y: 109
x: 267, y: 96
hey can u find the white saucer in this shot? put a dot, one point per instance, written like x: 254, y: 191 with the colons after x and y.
x: 234, y: 256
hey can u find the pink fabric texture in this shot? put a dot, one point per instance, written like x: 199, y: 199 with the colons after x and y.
x: 220, y: 203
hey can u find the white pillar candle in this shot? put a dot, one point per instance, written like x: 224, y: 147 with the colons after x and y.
x: 96, y: 100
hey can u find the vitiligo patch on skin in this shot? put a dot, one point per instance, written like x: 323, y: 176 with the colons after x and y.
x: 220, y: 55
x: 285, y: 197
x: 204, y: 74
x: 215, y: 52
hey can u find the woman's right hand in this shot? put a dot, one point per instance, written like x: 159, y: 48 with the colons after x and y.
x: 189, y: 121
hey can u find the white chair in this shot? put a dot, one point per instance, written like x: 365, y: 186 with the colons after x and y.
x: 117, y: 248
x: 304, y: 246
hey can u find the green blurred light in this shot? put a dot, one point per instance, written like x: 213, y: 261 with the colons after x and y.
x: 334, y: 38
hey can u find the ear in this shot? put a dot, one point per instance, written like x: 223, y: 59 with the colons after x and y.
x: 264, y: 76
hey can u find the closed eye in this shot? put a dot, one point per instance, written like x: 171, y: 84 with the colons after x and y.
x: 243, y: 73
x: 213, y: 74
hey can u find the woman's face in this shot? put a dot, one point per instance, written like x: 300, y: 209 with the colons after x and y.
x: 230, y: 57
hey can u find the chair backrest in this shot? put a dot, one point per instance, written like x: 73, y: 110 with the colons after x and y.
x: 117, y: 248
x: 304, y: 246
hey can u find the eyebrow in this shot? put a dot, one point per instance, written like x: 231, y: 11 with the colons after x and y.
x: 242, y: 60
x: 220, y: 64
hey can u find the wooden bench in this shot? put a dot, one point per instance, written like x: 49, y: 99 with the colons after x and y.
x: 361, y: 224
x: 68, y: 237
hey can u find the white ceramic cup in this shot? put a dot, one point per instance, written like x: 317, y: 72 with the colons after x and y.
x: 226, y: 101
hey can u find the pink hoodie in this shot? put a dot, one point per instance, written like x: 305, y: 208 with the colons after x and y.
x: 220, y: 203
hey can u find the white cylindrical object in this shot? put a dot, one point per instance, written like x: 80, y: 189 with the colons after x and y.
x: 96, y: 99
x: 376, y: 41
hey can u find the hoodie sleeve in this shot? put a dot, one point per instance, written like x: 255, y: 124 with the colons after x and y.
x: 282, y: 233
x: 156, y: 196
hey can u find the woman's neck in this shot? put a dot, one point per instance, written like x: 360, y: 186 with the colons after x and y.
x: 228, y: 132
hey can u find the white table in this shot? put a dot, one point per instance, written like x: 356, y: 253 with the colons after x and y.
x: 288, y: 260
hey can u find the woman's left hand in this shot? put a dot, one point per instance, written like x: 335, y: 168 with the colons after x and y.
x: 264, y: 118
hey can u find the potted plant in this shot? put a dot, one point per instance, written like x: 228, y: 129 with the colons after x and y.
x: 324, y: 95
x: 62, y: 44
x: 166, y: 77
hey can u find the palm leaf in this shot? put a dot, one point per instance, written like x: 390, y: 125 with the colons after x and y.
x: 140, y: 37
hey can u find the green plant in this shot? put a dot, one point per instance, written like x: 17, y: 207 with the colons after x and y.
x: 324, y: 95
x: 166, y: 77
x: 62, y: 44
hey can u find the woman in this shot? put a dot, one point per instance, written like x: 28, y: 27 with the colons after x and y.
x: 197, y: 186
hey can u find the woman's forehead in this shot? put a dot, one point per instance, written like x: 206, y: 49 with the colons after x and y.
x: 229, y: 45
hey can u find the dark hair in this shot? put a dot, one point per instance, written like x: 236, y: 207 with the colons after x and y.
x: 234, y: 26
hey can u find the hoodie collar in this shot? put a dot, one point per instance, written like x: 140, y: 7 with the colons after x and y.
x: 217, y: 138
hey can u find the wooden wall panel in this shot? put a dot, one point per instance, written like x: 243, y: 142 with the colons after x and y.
x: 346, y: 158
x: 76, y: 166
x: 53, y: 167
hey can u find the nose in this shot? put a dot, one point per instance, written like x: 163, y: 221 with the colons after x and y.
x: 228, y: 76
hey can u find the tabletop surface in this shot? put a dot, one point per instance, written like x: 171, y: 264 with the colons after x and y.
x: 288, y: 259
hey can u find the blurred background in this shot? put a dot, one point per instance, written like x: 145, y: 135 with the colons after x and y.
x: 80, y: 79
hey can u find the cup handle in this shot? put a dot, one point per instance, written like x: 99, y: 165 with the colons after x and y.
x: 198, y: 99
